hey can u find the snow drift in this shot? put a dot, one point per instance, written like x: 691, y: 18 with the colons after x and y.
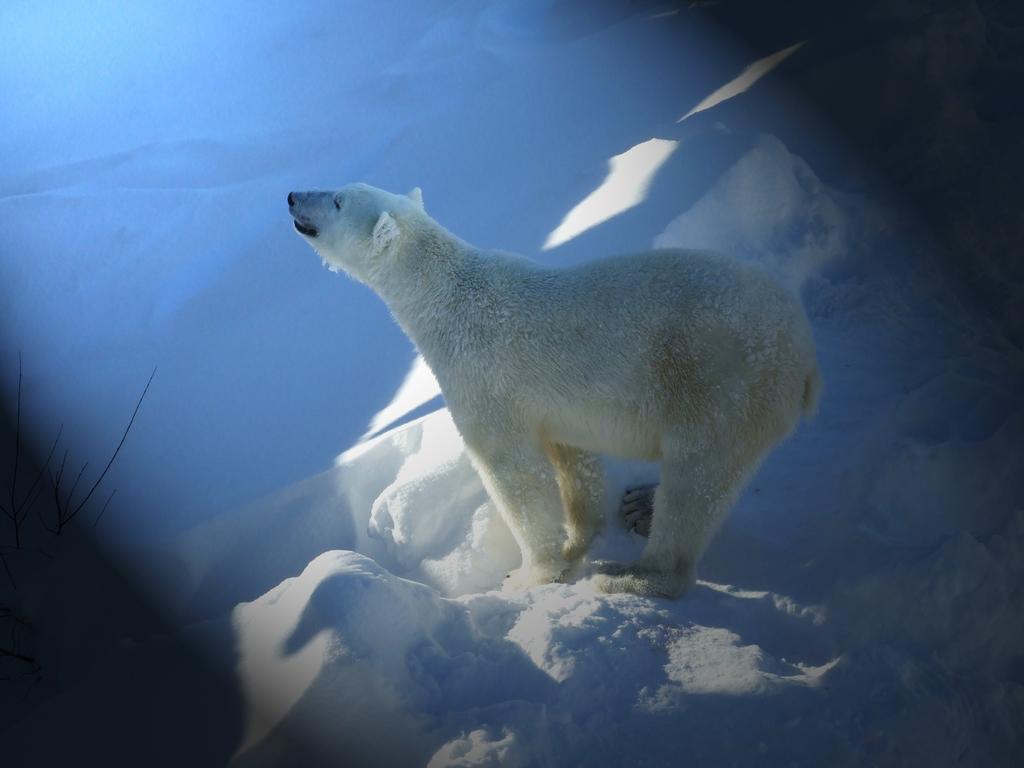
x: 860, y: 606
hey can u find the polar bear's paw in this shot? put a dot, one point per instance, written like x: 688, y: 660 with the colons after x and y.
x: 613, y: 578
x: 638, y: 508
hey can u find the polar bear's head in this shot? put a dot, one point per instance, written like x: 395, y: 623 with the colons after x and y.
x: 354, y: 228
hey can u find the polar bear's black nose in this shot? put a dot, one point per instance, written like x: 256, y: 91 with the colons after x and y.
x: 291, y: 198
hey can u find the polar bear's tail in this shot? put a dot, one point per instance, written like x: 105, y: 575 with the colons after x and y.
x: 812, y: 393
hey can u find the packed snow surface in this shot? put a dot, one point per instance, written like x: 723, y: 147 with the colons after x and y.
x: 862, y: 604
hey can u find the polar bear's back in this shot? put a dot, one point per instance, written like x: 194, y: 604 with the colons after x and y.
x: 707, y: 299
x: 676, y: 336
x: 675, y: 279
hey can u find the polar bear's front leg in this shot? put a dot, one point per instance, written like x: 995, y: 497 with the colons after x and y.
x: 580, y: 480
x: 521, y: 481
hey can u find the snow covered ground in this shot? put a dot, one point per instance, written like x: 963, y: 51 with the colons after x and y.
x: 299, y: 505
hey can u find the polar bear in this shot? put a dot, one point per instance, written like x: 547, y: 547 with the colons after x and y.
x: 679, y: 356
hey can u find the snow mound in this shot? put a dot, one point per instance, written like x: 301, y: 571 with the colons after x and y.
x: 349, y: 661
x: 363, y: 664
x: 435, y: 518
x: 769, y: 207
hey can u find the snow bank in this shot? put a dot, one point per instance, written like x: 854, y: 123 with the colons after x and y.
x: 352, y: 661
x: 769, y: 208
x: 435, y: 518
x: 364, y: 665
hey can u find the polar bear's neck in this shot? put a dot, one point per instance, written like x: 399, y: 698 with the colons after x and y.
x: 438, y: 289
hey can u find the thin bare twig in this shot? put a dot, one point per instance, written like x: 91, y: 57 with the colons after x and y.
x: 118, y: 449
x: 12, y: 652
x: 60, y: 469
x: 58, y: 504
x: 16, y: 655
x: 66, y: 510
x: 36, y: 487
x: 19, y: 510
x: 74, y: 485
x: 7, y: 569
x: 105, y: 505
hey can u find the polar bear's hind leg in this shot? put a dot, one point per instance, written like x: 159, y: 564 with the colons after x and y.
x: 694, y: 496
x: 638, y: 508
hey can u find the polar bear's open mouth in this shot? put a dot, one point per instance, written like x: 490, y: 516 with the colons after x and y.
x: 308, y: 231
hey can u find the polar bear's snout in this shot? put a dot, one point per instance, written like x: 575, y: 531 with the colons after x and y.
x: 300, y: 208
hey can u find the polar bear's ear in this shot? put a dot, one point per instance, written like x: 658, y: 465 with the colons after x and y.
x: 416, y: 195
x: 385, y: 232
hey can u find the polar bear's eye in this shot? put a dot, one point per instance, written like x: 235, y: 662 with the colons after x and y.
x: 338, y: 201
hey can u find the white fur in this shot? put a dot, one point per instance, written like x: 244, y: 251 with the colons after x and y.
x: 680, y: 356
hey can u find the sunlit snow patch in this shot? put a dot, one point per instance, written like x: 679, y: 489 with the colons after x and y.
x: 714, y: 660
x: 479, y: 748
x: 419, y: 387
x: 271, y: 680
x: 629, y: 178
x: 744, y: 80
